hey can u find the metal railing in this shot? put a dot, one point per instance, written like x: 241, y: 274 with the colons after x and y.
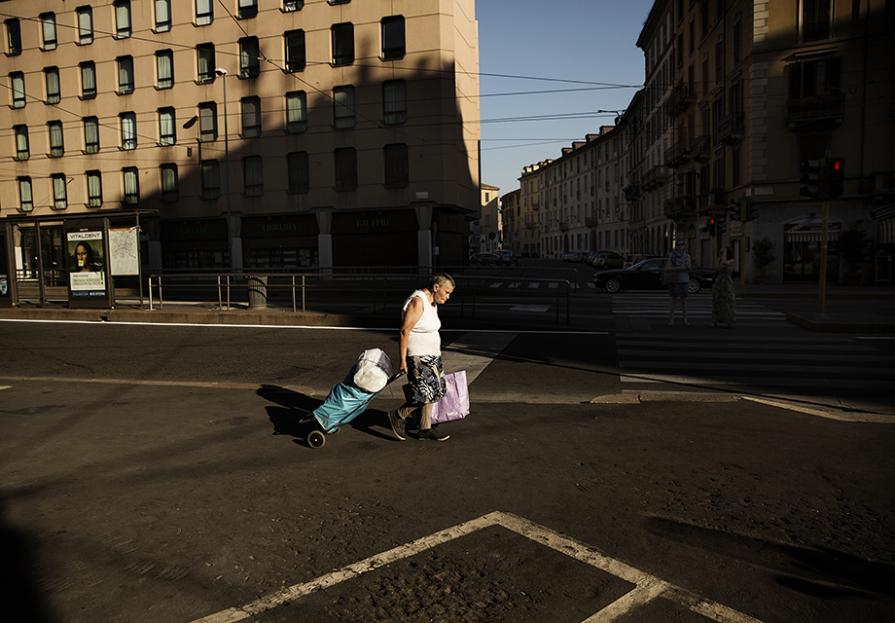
x: 355, y: 293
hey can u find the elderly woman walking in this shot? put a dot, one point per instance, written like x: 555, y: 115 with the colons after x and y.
x: 724, y: 302
x: 420, y: 357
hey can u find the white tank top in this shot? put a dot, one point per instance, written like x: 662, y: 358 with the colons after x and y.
x: 424, y: 338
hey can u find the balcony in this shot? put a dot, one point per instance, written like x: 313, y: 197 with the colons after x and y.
x: 679, y: 100
x: 564, y: 226
x: 822, y: 110
x: 681, y: 207
x: 731, y: 129
x: 632, y: 189
x: 655, y: 177
x: 531, y: 225
x: 590, y: 221
x: 701, y: 150
x: 677, y: 155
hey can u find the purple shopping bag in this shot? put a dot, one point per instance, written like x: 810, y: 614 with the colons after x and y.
x: 455, y: 404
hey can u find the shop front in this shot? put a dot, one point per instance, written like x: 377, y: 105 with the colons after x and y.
x: 801, y: 249
x: 280, y: 243
x: 195, y: 245
x: 380, y: 238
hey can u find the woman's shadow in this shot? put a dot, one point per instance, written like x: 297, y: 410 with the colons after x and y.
x: 291, y: 415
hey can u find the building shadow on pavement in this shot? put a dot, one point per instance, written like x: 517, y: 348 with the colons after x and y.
x: 18, y: 577
x: 816, y: 571
x: 292, y: 409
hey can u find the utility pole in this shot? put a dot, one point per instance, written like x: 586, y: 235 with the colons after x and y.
x: 223, y: 74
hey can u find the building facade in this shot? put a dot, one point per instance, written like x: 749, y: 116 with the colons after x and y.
x: 511, y: 219
x: 277, y: 135
x: 532, y: 197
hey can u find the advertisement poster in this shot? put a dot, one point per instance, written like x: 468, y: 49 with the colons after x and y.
x: 86, y: 272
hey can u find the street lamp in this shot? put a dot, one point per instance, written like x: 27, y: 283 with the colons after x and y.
x: 220, y: 71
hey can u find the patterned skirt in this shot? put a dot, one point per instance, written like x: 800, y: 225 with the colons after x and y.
x: 425, y: 377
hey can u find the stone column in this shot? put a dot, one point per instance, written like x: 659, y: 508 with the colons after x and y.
x: 325, y: 241
x: 424, y: 236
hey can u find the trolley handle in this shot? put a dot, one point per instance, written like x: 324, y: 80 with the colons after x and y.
x: 395, y: 377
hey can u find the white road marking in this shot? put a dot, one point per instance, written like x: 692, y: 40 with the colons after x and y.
x: 530, y: 308
x: 553, y: 285
x: 496, y: 284
x: 515, y: 284
x: 534, y: 285
x: 646, y: 587
x: 876, y: 337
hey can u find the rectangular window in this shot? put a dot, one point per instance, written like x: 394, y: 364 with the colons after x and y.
x: 205, y: 62
x: 393, y: 45
x: 816, y: 20
x: 737, y: 42
x: 249, y: 65
x: 23, y: 152
x: 122, y: 19
x: 296, y: 112
x: 48, y: 30
x: 204, y: 12
x: 162, y: 15
x: 131, y: 185
x: 208, y: 121
x: 814, y: 78
x: 735, y: 166
x: 292, y: 5
x: 338, y: 1
x: 253, y: 176
x: 17, y: 85
x: 211, y: 179
x: 169, y: 181
x: 251, y: 117
x: 88, y: 80
x: 164, y: 69
x: 26, y: 199
x: 294, y: 41
x: 60, y: 196
x: 167, y: 129
x: 91, y: 135
x: 719, y: 61
x: 394, y: 102
x: 85, y: 24
x: 94, y: 189
x: 51, y: 79
x: 57, y: 142
x: 128, y: 121
x: 346, y: 169
x: 343, y: 107
x: 299, y: 174
x: 246, y: 9
x: 125, y: 75
x: 13, y: 36
x: 343, y: 44
x: 396, y: 166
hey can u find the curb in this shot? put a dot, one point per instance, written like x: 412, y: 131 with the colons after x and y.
x: 829, y: 325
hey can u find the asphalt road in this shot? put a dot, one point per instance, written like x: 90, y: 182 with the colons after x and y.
x: 157, y: 473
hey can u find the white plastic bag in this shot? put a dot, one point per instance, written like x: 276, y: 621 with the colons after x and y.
x: 373, y: 370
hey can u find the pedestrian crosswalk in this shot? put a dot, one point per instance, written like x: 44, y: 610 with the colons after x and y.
x: 791, y: 364
x: 654, y: 306
x: 531, y: 285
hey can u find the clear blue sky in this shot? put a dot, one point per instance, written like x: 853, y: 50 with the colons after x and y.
x: 587, y: 40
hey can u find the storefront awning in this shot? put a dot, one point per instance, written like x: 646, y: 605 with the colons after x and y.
x: 811, y: 230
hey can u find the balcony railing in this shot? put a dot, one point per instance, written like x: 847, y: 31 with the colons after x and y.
x: 731, y: 129
x: 820, y: 109
x: 590, y: 221
x: 701, y: 149
x: 655, y: 177
x: 564, y: 226
x: 681, y: 207
x: 678, y: 154
x: 679, y: 100
x: 531, y: 225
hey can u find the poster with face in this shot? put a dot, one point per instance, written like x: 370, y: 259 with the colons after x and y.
x: 86, y: 268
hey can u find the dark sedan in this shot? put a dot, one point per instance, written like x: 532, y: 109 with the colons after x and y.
x: 647, y: 275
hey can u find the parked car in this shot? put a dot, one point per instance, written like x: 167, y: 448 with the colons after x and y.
x: 570, y: 256
x: 605, y: 259
x: 507, y: 258
x: 647, y: 275
x: 484, y: 259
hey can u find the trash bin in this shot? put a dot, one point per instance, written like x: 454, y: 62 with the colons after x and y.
x: 257, y: 285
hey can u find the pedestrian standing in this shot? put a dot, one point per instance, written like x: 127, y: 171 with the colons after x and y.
x: 677, y: 278
x: 724, y: 303
x: 420, y: 357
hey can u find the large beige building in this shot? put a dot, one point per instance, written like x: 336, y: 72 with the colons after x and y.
x: 248, y: 134
x: 761, y: 87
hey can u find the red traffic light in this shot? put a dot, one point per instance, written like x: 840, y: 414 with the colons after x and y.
x: 838, y: 164
x: 712, y: 220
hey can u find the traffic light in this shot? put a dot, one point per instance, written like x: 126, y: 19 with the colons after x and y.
x: 811, y: 178
x: 733, y: 213
x: 835, y: 177
x: 711, y: 225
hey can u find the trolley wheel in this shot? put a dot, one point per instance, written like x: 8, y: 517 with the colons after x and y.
x: 316, y: 439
